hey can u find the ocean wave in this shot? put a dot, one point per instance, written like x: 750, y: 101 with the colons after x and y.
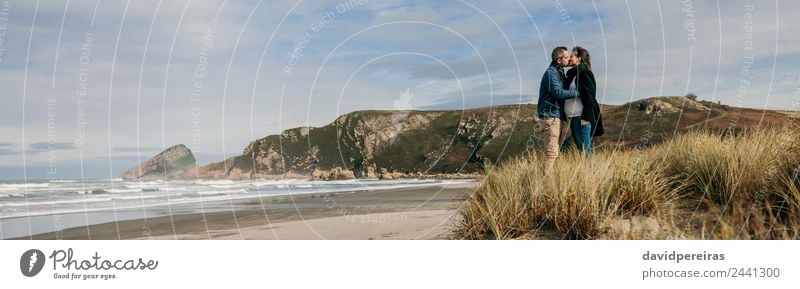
x: 55, y: 202
x: 142, y: 185
x: 70, y: 210
x: 139, y: 197
x: 239, y: 191
x: 227, y: 186
x: 282, y: 182
x: 122, y: 191
x: 351, y: 181
x: 214, y: 182
x: 102, y: 191
x: 81, y: 200
x: 99, y: 199
x: 17, y: 186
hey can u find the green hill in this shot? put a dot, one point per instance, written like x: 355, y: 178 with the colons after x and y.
x: 376, y: 143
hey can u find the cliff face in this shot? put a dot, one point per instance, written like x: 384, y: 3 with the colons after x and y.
x: 392, y: 144
x: 384, y: 144
x: 173, y: 162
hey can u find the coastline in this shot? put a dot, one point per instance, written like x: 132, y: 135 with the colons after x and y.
x: 399, y: 213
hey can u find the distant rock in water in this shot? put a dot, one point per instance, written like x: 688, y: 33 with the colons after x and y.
x: 174, y: 162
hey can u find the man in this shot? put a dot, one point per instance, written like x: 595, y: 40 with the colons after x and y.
x: 551, y: 91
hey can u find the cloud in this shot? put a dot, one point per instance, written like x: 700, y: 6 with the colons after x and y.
x: 476, y: 101
x: 142, y: 89
x: 46, y: 146
x: 135, y: 149
x: 7, y: 151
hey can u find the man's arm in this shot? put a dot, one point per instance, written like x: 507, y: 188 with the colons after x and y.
x: 556, y: 87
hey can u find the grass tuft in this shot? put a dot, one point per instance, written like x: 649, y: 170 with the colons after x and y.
x: 699, y: 185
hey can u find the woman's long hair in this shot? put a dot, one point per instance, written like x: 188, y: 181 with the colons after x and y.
x: 583, y: 54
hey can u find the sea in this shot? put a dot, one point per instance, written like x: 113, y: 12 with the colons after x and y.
x: 34, y: 207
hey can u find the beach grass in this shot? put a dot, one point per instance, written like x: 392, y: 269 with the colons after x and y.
x: 699, y: 185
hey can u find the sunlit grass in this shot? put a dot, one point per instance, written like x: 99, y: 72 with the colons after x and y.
x: 699, y: 185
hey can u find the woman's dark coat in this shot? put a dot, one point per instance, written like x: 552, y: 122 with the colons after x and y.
x: 587, y: 89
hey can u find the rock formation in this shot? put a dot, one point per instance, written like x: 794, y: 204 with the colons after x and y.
x: 173, y: 162
x: 448, y: 143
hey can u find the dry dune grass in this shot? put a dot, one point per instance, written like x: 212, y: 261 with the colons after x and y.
x: 699, y: 185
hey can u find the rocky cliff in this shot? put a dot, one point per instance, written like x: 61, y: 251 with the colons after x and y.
x: 174, y: 162
x: 396, y: 144
x: 387, y: 144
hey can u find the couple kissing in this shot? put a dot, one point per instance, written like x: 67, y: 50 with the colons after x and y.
x: 567, y: 93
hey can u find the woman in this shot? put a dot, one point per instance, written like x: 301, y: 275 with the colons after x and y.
x: 583, y: 112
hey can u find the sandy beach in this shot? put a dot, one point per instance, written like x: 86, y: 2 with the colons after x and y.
x: 403, y: 213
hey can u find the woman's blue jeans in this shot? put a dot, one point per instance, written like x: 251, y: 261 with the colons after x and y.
x: 581, y: 135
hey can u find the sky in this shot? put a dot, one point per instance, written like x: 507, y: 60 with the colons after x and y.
x: 90, y: 88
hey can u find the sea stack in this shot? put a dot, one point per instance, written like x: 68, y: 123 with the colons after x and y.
x: 173, y: 162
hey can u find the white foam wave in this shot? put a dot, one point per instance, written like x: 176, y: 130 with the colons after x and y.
x: 118, y: 191
x: 226, y: 186
x: 57, y: 202
x: 214, y: 182
x: 142, y: 185
x: 12, y: 187
x: 239, y: 191
x: 283, y: 182
x: 137, y: 197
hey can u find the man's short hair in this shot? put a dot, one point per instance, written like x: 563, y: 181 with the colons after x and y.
x: 557, y: 53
